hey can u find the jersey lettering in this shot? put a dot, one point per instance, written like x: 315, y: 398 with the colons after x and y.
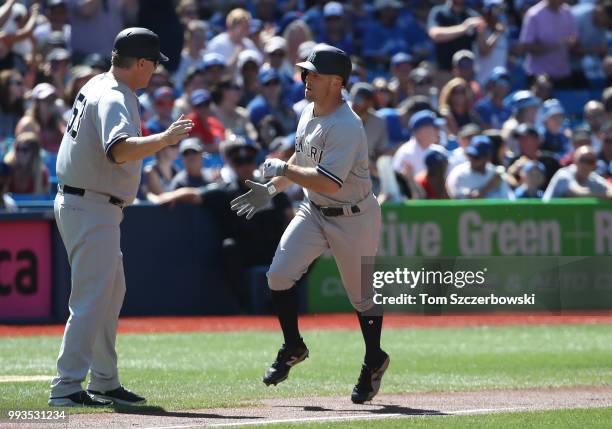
x: 313, y: 152
x: 77, y: 114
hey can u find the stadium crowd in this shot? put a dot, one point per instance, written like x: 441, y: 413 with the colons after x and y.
x: 459, y: 98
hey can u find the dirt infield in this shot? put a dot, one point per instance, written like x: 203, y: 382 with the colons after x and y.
x: 311, y: 409
x: 320, y: 321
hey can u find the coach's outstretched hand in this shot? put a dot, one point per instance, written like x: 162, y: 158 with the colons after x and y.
x: 253, y: 201
x: 178, y: 130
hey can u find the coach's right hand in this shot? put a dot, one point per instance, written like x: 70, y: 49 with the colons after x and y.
x: 177, y: 131
x: 250, y: 203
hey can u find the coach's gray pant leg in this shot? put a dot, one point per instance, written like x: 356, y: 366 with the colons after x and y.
x: 350, y: 238
x: 302, y: 242
x: 104, y: 372
x: 90, y: 231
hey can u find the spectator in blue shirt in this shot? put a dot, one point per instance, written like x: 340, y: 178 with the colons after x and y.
x: 491, y: 109
x: 270, y: 102
x: 398, y: 119
x: 359, y: 14
x: 554, y: 139
x: 334, y: 31
x: 533, y: 177
x: 390, y: 32
x: 401, y: 85
x: 275, y: 50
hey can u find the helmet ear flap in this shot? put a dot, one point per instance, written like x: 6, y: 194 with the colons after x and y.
x: 304, y: 74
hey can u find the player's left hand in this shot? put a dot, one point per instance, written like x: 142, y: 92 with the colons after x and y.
x: 273, y: 167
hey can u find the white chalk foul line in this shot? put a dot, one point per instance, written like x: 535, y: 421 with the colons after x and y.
x: 487, y: 410
x: 336, y: 418
x: 24, y: 378
x: 307, y: 419
x: 276, y: 421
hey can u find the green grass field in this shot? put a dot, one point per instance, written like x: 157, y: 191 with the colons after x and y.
x: 202, y: 370
x: 592, y: 418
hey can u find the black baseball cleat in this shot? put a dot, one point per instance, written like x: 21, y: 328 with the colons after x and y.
x: 120, y: 396
x: 79, y: 399
x: 285, y: 360
x: 369, y: 381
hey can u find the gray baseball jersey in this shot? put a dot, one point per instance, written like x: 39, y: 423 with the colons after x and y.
x: 336, y: 145
x: 104, y: 112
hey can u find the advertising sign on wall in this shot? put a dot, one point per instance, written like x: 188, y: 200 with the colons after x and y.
x: 502, y: 231
x: 25, y: 270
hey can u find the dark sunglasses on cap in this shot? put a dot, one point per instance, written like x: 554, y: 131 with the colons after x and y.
x: 242, y: 160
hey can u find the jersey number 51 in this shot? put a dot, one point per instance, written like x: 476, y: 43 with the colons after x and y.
x: 77, y: 114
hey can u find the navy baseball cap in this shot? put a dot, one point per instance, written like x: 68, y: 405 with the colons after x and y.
x: 479, y: 146
x: 435, y: 156
x: 199, y: 97
x: 326, y: 59
x: 401, y: 57
x: 424, y: 118
x: 268, y: 75
x: 138, y: 42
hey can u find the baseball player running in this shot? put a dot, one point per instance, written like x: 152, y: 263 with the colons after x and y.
x: 98, y: 166
x: 339, y: 212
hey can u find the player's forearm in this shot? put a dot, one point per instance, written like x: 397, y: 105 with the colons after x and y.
x: 280, y: 183
x: 311, y: 179
x: 446, y: 34
x: 137, y: 148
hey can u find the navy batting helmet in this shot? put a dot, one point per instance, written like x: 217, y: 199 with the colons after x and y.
x: 326, y: 59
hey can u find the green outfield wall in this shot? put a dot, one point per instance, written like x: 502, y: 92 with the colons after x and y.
x: 567, y: 241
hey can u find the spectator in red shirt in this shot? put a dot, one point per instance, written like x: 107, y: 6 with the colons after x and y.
x: 28, y: 173
x: 433, y: 179
x: 205, y: 126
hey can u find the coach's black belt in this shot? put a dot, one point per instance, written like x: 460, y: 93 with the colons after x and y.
x: 334, y: 211
x: 67, y: 189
